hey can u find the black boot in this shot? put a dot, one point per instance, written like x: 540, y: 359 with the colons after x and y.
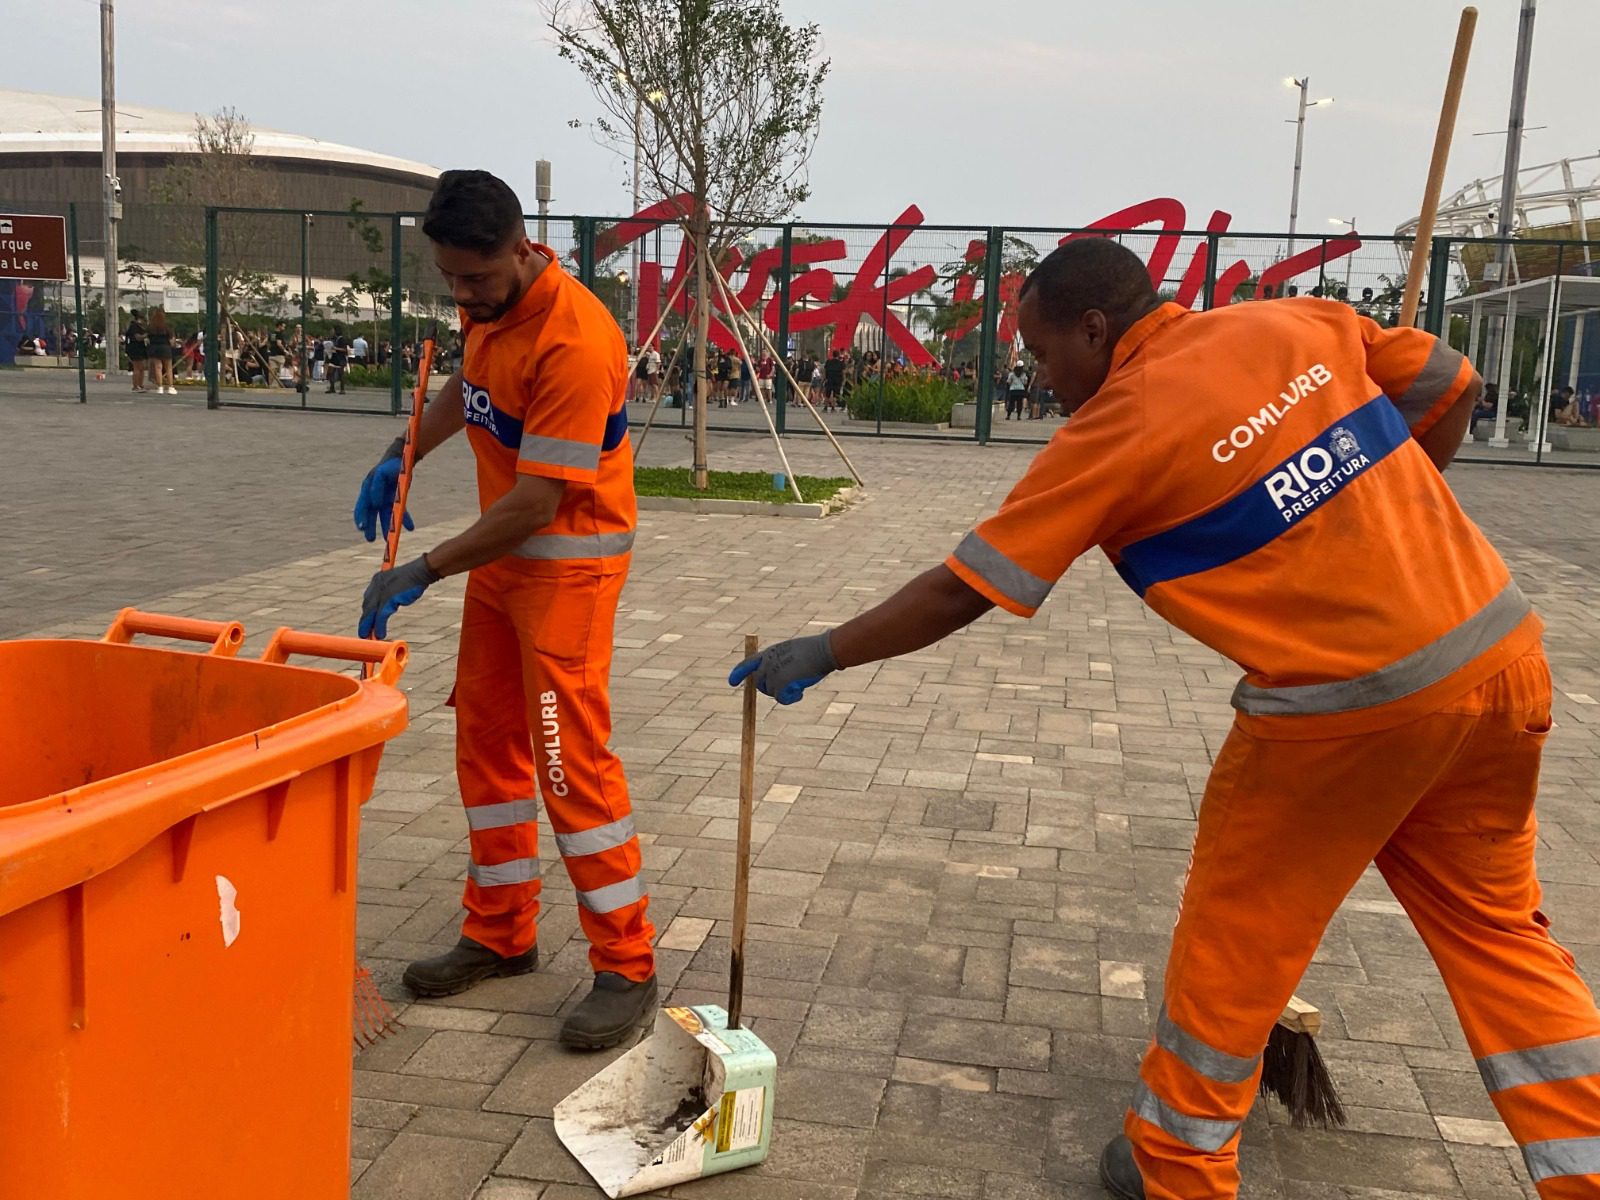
x: 609, y: 1013
x: 458, y: 969
x: 1119, y: 1172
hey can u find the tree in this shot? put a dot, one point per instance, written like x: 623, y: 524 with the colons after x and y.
x: 723, y: 99
x: 223, y: 172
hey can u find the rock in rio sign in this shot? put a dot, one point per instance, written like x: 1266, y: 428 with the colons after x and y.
x: 871, y: 293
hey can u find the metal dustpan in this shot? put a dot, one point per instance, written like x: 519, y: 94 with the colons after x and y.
x: 695, y: 1097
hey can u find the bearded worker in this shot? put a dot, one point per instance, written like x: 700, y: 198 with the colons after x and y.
x: 541, y: 394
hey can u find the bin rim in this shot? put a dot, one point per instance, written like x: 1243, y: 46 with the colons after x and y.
x: 59, y: 841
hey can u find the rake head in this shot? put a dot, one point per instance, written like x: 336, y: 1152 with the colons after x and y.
x: 374, y: 1019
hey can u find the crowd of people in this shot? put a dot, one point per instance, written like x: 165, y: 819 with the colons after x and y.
x: 732, y: 379
x: 275, y: 357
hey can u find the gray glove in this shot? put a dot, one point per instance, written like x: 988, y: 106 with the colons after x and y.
x: 389, y: 590
x: 785, y: 670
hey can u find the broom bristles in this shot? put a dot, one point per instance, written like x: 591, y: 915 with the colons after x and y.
x: 1292, y: 1070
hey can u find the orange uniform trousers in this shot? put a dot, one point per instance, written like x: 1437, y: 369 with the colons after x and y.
x: 532, y: 699
x: 1444, y: 805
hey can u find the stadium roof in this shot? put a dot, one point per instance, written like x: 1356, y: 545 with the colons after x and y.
x: 35, y: 123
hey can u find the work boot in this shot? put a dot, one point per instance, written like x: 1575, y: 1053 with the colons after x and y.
x: 458, y: 969
x: 609, y: 1013
x: 1119, y: 1172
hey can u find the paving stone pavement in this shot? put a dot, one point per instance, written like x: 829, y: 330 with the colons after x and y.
x: 967, y: 861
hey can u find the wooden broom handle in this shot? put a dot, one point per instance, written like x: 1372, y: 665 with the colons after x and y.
x: 741, y: 866
x: 1441, y: 155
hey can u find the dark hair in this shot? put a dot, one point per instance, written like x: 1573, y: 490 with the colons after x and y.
x: 1092, y: 273
x: 473, y: 210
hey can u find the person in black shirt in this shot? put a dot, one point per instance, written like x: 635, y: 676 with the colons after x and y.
x: 137, y: 340
x: 338, y: 360
x: 832, y: 381
x: 278, y: 354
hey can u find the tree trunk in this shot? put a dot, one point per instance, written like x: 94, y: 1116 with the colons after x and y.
x: 702, y: 317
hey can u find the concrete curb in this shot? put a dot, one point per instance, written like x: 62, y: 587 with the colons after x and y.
x: 748, y: 508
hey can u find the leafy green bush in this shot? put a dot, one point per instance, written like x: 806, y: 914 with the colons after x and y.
x: 378, y: 377
x: 908, y: 398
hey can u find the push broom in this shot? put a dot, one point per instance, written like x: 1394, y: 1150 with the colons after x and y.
x: 1292, y: 1068
x: 374, y: 1019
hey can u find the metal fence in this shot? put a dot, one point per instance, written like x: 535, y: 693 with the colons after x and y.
x: 923, y: 318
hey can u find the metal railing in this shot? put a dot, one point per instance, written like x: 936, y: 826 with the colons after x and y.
x: 923, y: 316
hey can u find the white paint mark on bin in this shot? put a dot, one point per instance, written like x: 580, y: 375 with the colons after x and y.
x: 226, y: 895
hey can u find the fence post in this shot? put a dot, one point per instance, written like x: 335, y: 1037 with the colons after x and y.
x: 213, y: 343
x: 988, y: 326
x: 77, y: 294
x: 1438, y: 281
x: 396, y: 328
x: 1210, y: 292
x: 586, y: 262
x: 305, y: 308
x: 780, y: 387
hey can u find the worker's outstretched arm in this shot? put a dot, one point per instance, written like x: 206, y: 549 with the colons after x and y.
x: 443, y: 417
x: 932, y: 606
x: 529, y: 506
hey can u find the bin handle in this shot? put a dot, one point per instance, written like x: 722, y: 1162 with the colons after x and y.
x: 390, y: 657
x: 225, y: 636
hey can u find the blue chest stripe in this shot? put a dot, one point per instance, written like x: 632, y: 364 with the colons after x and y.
x: 1286, y: 495
x: 616, y: 430
x: 489, y: 416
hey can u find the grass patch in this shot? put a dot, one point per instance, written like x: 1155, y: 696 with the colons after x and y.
x: 732, y: 485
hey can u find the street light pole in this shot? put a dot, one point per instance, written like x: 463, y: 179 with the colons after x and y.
x: 1304, y: 84
x: 111, y: 187
x: 1299, y: 150
x: 1351, y: 224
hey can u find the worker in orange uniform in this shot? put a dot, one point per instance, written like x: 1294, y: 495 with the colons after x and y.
x: 540, y: 394
x: 1267, y: 478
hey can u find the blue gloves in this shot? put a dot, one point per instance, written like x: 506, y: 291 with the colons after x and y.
x: 785, y: 670
x: 390, y: 590
x: 375, y: 502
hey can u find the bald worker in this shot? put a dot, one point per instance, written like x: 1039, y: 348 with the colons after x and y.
x: 1267, y: 477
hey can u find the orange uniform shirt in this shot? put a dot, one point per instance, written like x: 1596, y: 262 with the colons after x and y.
x: 1252, y: 472
x: 543, y: 389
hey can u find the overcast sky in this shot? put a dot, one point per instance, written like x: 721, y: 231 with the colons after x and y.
x: 1042, y: 112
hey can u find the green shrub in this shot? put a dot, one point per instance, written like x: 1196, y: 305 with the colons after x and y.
x: 907, y: 398
x: 377, y: 377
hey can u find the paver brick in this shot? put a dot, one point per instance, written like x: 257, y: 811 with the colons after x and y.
x: 967, y: 862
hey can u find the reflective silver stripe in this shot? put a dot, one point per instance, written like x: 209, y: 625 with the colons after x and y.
x: 1567, y: 1156
x: 1452, y: 651
x: 559, y: 452
x: 613, y: 896
x: 1541, y: 1064
x: 1199, y: 1132
x: 1197, y: 1056
x: 1014, y: 582
x: 592, y: 841
x: 518, y: 870
x: 498, y: 816
x: 1433, y: 381
x: 561, y: 545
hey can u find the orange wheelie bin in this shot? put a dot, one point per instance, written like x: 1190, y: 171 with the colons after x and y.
x: 178, y: 836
